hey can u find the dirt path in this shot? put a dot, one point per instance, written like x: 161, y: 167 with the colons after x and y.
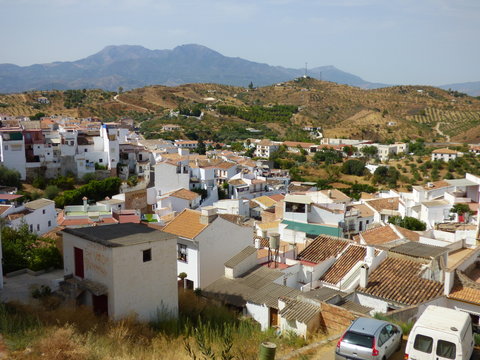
x: 437, y: 129
x: 128, y: 104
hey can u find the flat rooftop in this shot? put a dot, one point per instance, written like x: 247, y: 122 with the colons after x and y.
x: 420, y: 250
x: 120, y: 234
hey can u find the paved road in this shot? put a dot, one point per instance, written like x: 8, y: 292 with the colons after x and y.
x: 18, y: 288
x: 327, y: 352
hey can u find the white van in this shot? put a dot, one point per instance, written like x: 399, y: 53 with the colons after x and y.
x: 441, y: 334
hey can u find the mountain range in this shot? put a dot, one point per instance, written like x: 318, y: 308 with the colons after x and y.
x: 133, y: 66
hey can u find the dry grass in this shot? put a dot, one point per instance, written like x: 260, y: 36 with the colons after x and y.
x: 66, y: 333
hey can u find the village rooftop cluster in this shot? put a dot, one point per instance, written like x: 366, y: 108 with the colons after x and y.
x: 282, y: 252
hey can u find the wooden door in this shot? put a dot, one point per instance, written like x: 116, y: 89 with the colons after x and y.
x: 100, y: 304
x: 273, y: 317
x: 78, y: 259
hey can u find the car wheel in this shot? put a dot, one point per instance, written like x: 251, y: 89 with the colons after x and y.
x: 399, y: 347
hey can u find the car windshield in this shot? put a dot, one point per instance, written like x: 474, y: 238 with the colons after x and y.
x: 354, y: 338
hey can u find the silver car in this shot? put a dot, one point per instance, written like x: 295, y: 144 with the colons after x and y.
x: 369, y: 339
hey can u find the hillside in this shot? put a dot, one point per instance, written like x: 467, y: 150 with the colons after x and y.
x: 392, y: 113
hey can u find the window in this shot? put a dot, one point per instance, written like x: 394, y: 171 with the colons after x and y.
x: 31, y: 228
x: 294, y: 207
x: 446, y: 349
x: 182, y: 252
x: 5, y: 147
x: 43, y: 211
x: 423, y: 343
x: 362, y: 340
x: 101, y: 160
x: 384, y: 335
x: 147, y: 255
x: 85, y: 150
x: 38, y: 227
x: 49, y: 223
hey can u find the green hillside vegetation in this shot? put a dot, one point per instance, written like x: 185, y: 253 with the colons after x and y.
x: 279, y: 111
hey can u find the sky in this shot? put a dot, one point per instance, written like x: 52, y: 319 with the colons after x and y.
x: 426, y: 42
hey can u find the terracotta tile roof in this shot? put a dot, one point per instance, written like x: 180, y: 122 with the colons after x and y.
x: 436, y: 185
x: 323, y: 248
x: 408, y: 234
x: 235, y: 219
x: 297, y: 143
x: 264, y: 242
x: 399, y: 280
x: 4, y: 208
x: 384, y: 204
x: 364, y: 210
x: 366, y: 196
x: 225, y: 165
x: 277, y: 197
x: 269, y: 225
x: 444, y: 151
x: 237, y: 182
x: 185, y: 194
x: 335, y: 194
x: 377, y: 236
x: 266, y: 201
x: 10, y: 196
x: 186, y: 224
x: 465, y: 289
x: 344, y: 264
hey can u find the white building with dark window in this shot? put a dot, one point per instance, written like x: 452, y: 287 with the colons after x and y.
x: 122, y: 269
x: 205, y: 241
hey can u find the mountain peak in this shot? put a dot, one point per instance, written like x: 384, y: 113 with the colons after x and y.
x: 113, y: 53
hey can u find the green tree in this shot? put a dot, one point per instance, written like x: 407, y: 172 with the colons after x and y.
x: 201, y: 148
x: 408, y: 222
x: 369, y: 151
x: 461, y: 209
x: 51, y: 191
x: 250, y: 86
x: 9, y: 177
x: 22, y: 249
x: 328, y: 156
x: 353, y: 167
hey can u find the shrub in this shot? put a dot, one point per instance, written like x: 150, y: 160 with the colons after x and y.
x: 408, y: 222
x: 51, y: 191
x: 39, y: 182
x: 353, y: 167
x: 9, y: 177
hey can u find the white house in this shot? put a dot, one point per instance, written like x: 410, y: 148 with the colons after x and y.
x: 205, y: 241
x: 445, y: 154
x: 40, y: 216
x: 123, y: 269
x: 12, y: 150
x: 265, y: 148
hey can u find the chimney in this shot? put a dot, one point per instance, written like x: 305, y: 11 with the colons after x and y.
x: 363, y: 276
x: 208, y: 214
x: 264, y: 234
x: 370, y: 255
x: 329, y: 194
x: 85, y: 203
x: 257, y: 243
x: 449, y: 278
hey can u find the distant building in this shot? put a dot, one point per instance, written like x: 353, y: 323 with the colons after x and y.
x: 445, y: 154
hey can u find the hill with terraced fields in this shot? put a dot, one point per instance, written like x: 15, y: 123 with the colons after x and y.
x: 277, y: 111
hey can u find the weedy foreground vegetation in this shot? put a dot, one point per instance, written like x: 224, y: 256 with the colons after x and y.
x: 203, y: 331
